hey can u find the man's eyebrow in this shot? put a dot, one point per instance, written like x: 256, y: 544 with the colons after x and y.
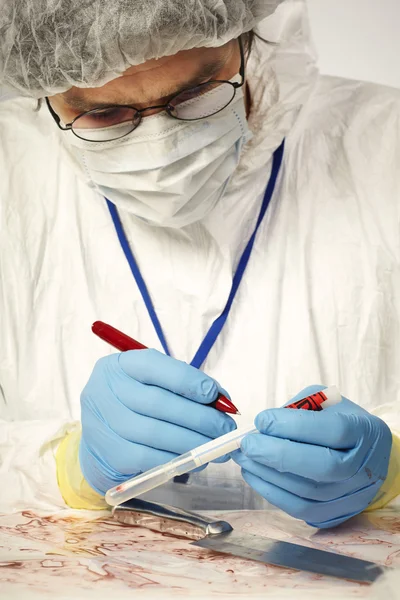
x: 206, y: 72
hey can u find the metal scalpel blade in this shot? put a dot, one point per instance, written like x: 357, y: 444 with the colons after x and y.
x: 293, y: 556
x: 219, y: 536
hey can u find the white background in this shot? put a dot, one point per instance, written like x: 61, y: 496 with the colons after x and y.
x: 358, y: 39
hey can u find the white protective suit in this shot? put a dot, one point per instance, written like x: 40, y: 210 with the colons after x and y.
x: 320, y: 301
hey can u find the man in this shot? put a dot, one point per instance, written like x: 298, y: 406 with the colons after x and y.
x: 152, y: 188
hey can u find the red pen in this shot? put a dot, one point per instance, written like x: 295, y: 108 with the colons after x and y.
x: 123, y: 343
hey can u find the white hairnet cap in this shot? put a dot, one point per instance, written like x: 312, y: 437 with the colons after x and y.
x: 48, y: 46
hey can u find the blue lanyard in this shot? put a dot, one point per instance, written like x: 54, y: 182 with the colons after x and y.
x: 220, y: 321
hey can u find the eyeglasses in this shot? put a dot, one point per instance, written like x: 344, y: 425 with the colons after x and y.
x: 117, y: 121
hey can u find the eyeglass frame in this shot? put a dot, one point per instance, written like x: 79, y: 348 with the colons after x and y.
x: 166, y: 107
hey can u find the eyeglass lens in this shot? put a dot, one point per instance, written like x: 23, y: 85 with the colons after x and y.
x: 118, y: 121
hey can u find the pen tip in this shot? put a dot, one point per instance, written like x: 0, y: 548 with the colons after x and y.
x: 225, y: 405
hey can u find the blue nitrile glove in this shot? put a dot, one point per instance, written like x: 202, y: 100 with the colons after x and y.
x: 141, y: 409
x: 321, y: 467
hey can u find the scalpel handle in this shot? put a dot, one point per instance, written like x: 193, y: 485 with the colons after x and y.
x: 167, y: 519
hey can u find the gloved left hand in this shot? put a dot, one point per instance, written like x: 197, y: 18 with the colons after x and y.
x: 321, y: 467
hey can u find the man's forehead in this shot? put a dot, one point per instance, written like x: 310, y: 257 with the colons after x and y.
x: 156, y: 79
x: 187, y: 57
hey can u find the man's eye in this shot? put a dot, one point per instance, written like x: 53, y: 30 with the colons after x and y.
x: 196, y: 92
x: 106, y: 117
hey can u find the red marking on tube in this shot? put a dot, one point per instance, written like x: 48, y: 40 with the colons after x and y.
x: 313, y: 402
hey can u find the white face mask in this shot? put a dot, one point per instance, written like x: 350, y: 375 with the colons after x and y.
x: 167, y: 172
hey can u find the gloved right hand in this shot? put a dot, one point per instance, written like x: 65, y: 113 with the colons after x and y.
x: 141, y: 409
